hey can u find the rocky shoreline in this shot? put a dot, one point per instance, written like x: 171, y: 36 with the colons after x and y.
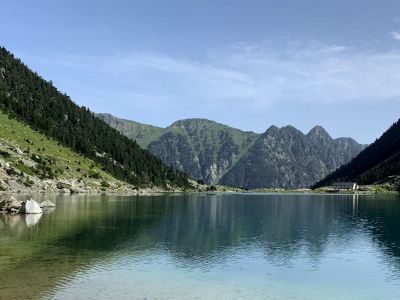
x: 13, y: 206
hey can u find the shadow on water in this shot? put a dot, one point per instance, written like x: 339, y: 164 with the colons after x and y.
x: 39, y: 253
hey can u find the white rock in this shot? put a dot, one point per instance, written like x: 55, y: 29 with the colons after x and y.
x: 31, y: 207
x: 19, y: 151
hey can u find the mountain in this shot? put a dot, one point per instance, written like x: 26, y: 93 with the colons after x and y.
x: 26, y: 96
x: 203, y: 149
x: 286, y: 158
x: 376, y: 162
x: 216, y: 153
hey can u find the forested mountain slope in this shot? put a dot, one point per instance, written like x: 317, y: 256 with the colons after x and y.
x: 27, y: 97
x: 379, y: 160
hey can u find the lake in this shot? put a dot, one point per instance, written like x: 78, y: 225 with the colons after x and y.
x: 222, y: 246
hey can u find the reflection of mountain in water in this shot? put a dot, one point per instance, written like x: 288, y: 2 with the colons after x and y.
x: 194, y: 229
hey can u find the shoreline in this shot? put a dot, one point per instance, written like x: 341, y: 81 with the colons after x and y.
x: 147, y: 192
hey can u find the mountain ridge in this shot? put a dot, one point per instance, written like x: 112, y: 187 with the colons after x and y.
x: 376, y: 162
x: 208, y: 150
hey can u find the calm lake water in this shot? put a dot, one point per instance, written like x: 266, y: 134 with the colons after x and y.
x: 224, y: 246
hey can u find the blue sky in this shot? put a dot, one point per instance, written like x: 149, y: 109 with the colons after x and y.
x: 249, y: 64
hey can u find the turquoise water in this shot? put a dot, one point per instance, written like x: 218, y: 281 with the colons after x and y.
x: 224, y: 246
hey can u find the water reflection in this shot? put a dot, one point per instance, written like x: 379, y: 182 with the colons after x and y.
x: 32, y: 219
x: 286, y: 233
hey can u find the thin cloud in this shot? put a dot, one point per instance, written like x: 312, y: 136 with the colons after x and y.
x: 245, y: 76
x: 395, y: 35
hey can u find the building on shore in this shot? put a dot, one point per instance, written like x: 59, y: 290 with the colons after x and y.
x: 348, y: 186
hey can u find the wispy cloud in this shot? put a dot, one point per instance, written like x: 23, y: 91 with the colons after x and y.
x: 264, y: 74
x: 248, y: 76
x: 395, y: 35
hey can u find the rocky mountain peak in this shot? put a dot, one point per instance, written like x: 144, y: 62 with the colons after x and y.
x: 318, y: 132
x: 288, y: 130
x: 193, y: 122
x: 272, y: 130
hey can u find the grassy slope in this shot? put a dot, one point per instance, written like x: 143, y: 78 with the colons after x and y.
x: 238, y: 136
x: 143, y: 134
x: 66, y: 163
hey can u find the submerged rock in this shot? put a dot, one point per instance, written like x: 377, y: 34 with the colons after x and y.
x: 31, y: 207
x: 47, y: 203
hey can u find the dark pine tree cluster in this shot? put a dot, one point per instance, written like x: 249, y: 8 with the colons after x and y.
x: 376, y: 162
x: 26, y: 96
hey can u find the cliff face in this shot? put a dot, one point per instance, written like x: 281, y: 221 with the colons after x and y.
x: 286, y: 158
x: 202, y: 148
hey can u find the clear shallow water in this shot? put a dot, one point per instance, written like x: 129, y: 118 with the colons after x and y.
x: 204, y: 247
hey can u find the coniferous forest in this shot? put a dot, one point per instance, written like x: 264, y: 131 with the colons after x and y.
x: 26, y: 96
x: 376, y: 162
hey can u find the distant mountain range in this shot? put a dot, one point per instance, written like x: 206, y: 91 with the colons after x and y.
x: 219, y: 154
x: 378, y: 161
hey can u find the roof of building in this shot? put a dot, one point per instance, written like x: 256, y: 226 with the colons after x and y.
x: 344, y: 183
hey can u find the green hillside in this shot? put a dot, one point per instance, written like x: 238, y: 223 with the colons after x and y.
x: 27, y: 97
x: 143, y: 134
x: 28, y: 158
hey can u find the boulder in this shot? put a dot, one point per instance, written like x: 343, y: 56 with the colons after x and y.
x: 4, y: 164
x: 13, y: 211
x: 12, y: 204
x: 31, y: 207
x: 76, y: 190
x: 47, y: 203
x: 63, y: 185
x: 19, y: 151
x: 65, y: 191
x: 2, y: 204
